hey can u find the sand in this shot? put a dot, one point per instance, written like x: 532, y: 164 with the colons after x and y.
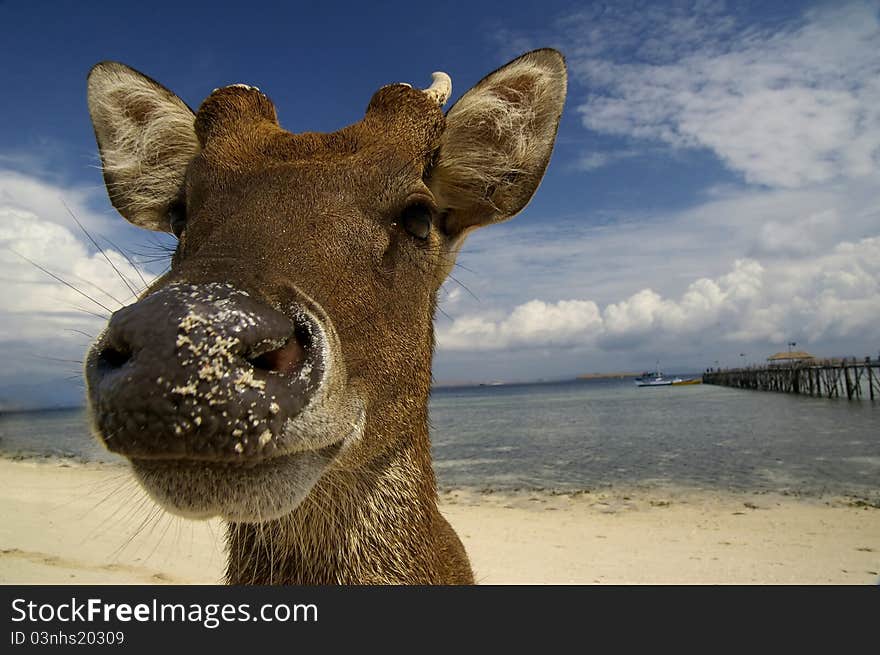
x: 91, y: 524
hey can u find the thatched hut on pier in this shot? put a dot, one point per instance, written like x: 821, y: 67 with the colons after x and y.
x: 789, y: 358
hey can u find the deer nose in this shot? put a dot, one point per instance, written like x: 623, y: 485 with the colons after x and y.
x: 203, y: 371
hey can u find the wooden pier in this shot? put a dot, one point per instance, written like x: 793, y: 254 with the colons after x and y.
x: 830, y: 378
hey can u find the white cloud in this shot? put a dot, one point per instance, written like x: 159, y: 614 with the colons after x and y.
x: 788, y: 107
x: 595, y: 160
x: 531, y: 324
x: 834, y: 296
x: 804, y: 236
x: 50, y: 201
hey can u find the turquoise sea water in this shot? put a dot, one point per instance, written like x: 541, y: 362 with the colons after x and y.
x: 595, y: 433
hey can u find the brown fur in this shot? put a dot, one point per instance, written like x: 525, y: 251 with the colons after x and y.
x: 267, y: 209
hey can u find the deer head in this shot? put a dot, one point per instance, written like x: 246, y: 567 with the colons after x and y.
x: 292, y: 338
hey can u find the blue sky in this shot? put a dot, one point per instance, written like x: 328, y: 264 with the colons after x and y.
x: 714, y: 189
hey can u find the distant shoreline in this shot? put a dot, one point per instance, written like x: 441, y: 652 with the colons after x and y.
x: 437, y: 386
x: 35, y: 410
x: 606, y: 376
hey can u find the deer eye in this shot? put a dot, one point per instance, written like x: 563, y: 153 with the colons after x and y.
x: 177, y: 218
x: 417, y: 219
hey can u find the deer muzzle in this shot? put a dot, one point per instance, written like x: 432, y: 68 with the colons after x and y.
x: 212, y: 393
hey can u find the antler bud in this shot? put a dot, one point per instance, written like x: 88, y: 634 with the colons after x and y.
x: 441, y: 88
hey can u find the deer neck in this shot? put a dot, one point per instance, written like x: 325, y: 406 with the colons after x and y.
x: 377, y: 523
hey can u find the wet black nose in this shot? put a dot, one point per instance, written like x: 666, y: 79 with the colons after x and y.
x: 202, y: 370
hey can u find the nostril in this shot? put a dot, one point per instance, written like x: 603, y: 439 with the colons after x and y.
x: 287, y: 359
x: 303, y: 336
x: 111, y: 357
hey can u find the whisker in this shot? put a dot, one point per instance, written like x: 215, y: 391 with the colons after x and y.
x: 105, y: 317
x: 170, y: 520
x: 153, y: 515
x: 62, y: 281
x: 85, y: 334
x: 473, y: 295
x: 128, y: 508
x: 154, y: 249
x: 121, y: 483
x: 130, y: 262
x: 97, y: 287
x: 100, y: 249
x: 56, y: 359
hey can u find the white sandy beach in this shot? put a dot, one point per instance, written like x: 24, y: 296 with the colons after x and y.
x: 82, y: 524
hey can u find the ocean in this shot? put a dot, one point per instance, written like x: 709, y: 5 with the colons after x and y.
x: 590, y: 434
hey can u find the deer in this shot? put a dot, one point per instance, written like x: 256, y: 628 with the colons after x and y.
x: 278, y: 375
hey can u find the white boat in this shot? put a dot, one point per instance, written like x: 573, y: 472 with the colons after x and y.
x: 656, y: 379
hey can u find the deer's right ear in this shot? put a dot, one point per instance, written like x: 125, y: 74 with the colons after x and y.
x: 146, y: 139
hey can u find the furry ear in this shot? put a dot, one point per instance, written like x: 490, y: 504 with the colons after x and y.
x: 498, y: 141
x: 146, y: 139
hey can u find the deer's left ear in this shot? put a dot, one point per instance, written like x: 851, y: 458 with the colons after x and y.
x: 497, y: 142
